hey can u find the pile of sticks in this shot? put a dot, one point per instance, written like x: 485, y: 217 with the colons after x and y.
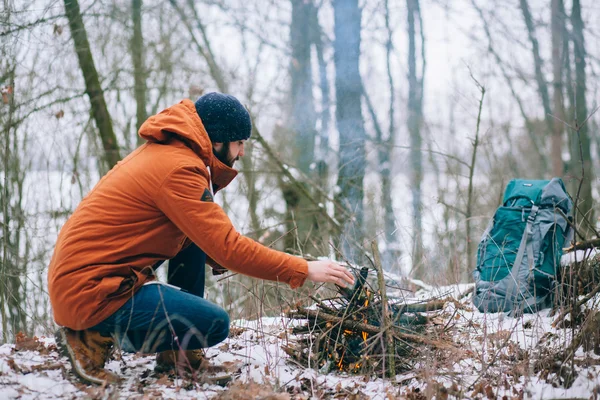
x: 360, y: 331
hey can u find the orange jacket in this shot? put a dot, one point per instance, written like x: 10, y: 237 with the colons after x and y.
x: 142, y: 212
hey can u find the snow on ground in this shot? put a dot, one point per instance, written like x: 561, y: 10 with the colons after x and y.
x: 491, y: 356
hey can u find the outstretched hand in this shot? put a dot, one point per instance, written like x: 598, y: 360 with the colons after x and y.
x: 329, y: 271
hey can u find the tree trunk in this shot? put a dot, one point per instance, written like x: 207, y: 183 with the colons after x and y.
x: 7, y: 249
x: 558, y: 24
x: 538, y: 65
x: 350, y: 124
x: 569, y: 85
x: 139, y: 70
x: 303, y: 116
x: 92, y: 83
x: 391, y: 254
x: 580, y: 144
x: 322, y: 151
x: 12, y: 266
x: 415, y: 101
x: 301, y: 216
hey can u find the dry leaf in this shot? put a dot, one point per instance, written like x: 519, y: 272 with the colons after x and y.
x: 489, y: 392
x: 224, y: 347
x: 235, y: 331
x: 13, y: 365
x: 23, y: 342
x: 164, y: 381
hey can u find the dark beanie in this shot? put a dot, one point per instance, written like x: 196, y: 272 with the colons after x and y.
x: 224, y: 117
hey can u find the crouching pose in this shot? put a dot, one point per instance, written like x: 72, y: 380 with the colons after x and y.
x: 156, y: 205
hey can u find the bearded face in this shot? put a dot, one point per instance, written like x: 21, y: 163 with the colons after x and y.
x: 229, y: 152
x: 224, y: 156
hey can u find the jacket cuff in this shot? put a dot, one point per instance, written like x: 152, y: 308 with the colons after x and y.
x: 299, y: 275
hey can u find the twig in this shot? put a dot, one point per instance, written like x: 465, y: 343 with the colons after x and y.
x: 469, y: 210
x: 581, y: 302
x: 433, y: 305
x: 586, y: 244
x: 386, y: 322
x: 322, y: 306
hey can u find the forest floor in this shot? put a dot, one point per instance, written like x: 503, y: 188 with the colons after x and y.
x: 491, y: 356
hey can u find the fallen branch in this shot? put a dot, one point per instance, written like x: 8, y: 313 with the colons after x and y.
x: 586, y: 244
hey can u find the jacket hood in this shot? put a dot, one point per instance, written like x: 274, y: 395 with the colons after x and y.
x: 182, y: 123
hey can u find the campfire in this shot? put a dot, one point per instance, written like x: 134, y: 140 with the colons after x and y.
x: 361, y: 331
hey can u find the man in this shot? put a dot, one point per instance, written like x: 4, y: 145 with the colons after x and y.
x: 157, y: 204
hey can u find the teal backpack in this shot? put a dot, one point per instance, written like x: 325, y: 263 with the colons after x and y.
x: 518, y: 258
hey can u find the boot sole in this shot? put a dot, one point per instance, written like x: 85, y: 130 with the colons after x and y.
x: 65, y: 350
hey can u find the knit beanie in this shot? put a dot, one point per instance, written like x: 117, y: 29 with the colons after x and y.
x: 224, y: 117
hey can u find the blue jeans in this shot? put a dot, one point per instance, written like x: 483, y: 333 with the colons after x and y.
x: 159, y: 317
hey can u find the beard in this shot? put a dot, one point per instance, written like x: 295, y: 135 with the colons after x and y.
x: 223, y: 155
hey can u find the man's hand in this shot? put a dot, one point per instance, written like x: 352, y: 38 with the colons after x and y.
x: 328, y: 271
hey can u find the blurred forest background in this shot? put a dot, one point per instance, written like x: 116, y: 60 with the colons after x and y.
x: 394, y: 121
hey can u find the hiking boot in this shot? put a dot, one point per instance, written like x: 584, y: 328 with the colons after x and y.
x: 88, y: 351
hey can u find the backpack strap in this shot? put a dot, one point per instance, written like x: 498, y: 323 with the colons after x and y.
x: 513, y: 287
x: 526, y: 235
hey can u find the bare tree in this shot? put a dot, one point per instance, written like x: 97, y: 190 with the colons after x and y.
x: 301, y: 218
x: 504, y: 66
x: 391, y: 254
x: 139, y: 70
x: 92, y: 83
x: 558, y: 27
x: 385, y: 143
x: 415, y: 116
x: 581, y: 159
x: 538, y: 65
x: 204, y: 48
x: 14, y: 246
x: 350, y: 123
x: 322, y: 152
